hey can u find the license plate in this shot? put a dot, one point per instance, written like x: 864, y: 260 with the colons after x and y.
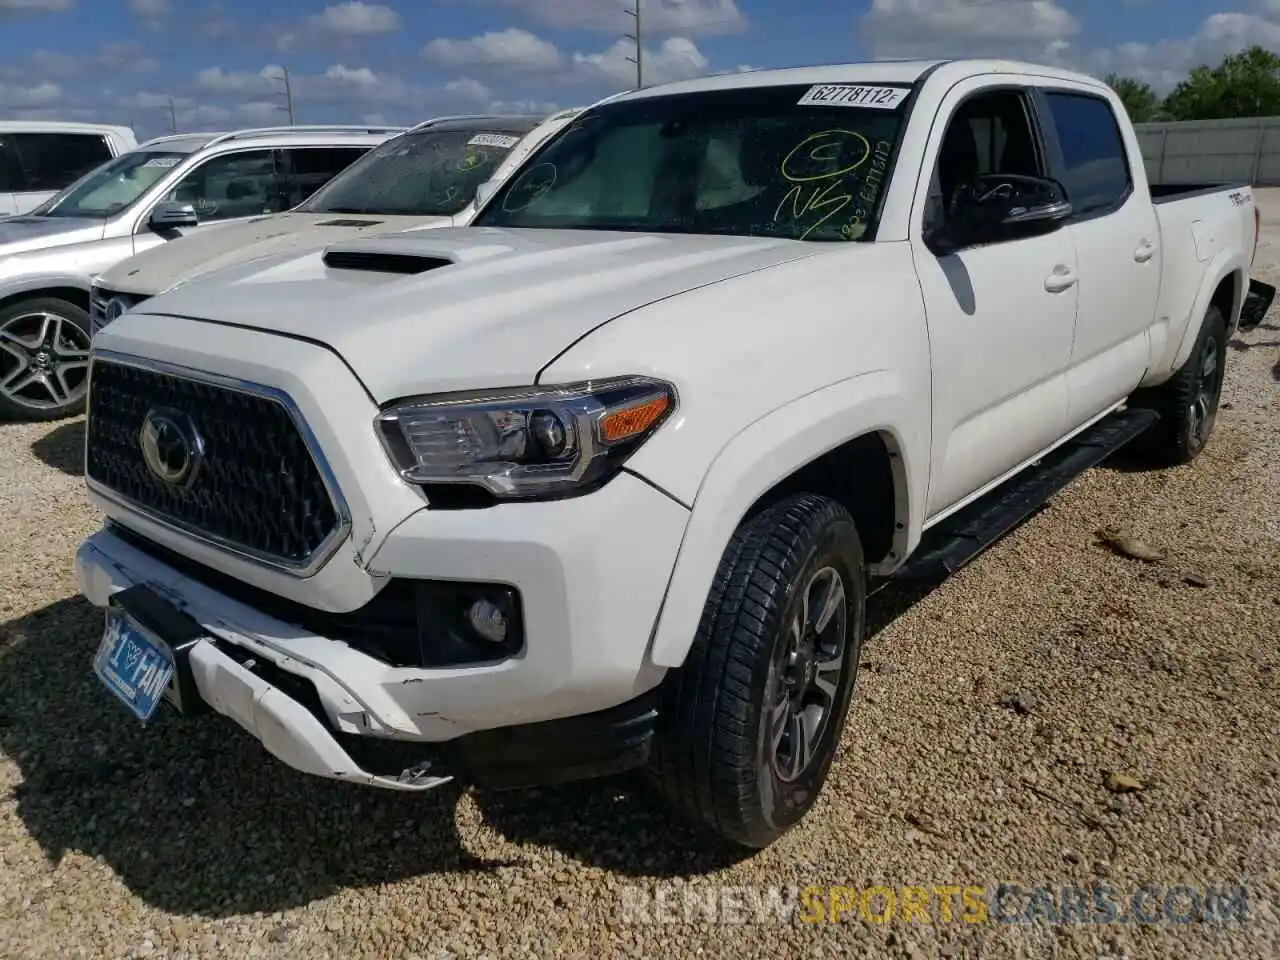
x: 133, y: 664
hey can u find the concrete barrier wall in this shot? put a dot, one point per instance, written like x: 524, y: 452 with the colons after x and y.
x: 1194, y: 151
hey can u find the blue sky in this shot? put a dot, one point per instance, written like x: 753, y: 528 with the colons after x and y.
x: 403, y: 60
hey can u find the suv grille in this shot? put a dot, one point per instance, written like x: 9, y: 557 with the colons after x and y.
x: 257, y: 490
x: 100, y: 300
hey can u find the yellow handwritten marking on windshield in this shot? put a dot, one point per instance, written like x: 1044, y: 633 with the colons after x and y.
x: 471, y: 161
x: 824, y: 150
x: 819, y: 157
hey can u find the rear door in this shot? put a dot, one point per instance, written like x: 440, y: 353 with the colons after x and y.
x: 307, y: 169
x: 1117, y: 239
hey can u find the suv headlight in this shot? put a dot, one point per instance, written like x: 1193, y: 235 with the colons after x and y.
x: 526, y: 442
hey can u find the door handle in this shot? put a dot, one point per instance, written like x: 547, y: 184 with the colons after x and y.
x: 1062, y: 278
x: 1146, y: 250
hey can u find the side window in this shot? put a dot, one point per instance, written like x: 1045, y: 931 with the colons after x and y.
x: 56, y: 160
x: 988, y: 133
x: 12, y: 179
x: 310, y: 168
x: 233, y: 185
x: 1097, y: 167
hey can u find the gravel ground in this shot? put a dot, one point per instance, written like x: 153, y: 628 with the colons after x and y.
x: 987, y: 720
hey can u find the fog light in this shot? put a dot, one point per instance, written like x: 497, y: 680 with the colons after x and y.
x: 488, y: 620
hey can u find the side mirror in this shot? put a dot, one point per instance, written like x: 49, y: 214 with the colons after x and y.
x: 484, y: 192
x: 994, y: 208
x: 170, y: 214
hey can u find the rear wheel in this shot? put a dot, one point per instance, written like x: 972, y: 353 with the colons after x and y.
x: 1188, y: 401
x: 44, y: 359
x: 750, y: 723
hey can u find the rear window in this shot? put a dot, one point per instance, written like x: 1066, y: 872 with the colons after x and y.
x: 1097, y: 167
x: 51, y: 161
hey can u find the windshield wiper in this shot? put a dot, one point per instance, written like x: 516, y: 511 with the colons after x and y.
x: 345, y: 210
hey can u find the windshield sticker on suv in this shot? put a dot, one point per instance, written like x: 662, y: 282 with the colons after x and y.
x: 853, y: 95
x: 164, y: 162
x: 493, y: 140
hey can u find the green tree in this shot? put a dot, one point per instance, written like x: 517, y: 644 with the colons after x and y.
x: 1245, y: 84
x: 1138, y: 98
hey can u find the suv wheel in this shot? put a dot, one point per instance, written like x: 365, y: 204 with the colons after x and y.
x: 750, y: 723
x: 44, y: 359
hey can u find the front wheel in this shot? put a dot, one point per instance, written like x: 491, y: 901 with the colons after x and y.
x: 750, y: 723
x: 44, y: 359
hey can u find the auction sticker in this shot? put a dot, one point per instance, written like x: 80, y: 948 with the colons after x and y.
x: 853, y: 95
x: 493, y: 140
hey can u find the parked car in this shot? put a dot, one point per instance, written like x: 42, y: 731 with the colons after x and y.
x: 165, y: 189
x: 422, y: 179
x: 38, y: 158
x: 602, y: 481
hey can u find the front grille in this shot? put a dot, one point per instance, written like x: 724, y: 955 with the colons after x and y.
x: 100, y: 298
x: 258, y: 489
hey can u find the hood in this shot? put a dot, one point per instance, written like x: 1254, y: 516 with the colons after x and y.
x: 21, y: 234
x: 461, y: 308
x: 159, y: 268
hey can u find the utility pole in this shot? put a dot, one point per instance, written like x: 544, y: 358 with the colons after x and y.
x: 288, y: 93
x: 638, y: 59
x: 173, y: 116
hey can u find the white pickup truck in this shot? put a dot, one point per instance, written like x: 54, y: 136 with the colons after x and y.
x: 603, y: 481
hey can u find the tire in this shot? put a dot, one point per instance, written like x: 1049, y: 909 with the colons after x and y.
x: 713, y: 758
x: 44, y: 359
x: 1188, y: 401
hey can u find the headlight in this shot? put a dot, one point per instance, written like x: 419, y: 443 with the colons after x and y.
x: 526, y: 442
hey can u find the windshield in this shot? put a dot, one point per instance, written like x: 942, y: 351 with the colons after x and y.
x: 431, y: 173
x: 105, y: 191
x: 796, y: 162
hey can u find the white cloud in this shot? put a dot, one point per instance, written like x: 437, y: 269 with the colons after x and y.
x: 356, y: 17
x: 1164, y: 63
x: 678, y: 58
x: 35, y: 6
x: 535, y: 108
x: 338, y: 25
x: 509, y: 49
x: 686, y: 17
x: 40, y: 95
x: 513, y: 50
x: 360, y: 76
x: 926, y: 28
x: 468, y: 91
x: 151, y: 9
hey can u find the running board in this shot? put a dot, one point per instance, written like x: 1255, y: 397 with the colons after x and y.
x: 955, y: 541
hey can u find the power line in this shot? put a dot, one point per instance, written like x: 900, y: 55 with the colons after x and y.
x: 288, y: 93
x: 638, y: 59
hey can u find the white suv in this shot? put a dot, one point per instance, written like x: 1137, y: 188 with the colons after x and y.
x: 40, y: 157
x: 422, y: 179
x: 165, y: 189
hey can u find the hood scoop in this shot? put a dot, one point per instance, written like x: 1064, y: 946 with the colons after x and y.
x: 381, y: 261
x: 348, y: 223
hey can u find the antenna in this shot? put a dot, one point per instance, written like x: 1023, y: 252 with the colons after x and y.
x: 173, y: 116
x: 638, y: 59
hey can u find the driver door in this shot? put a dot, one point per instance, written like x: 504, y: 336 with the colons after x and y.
x: 1001, y: 316
x: 226, y: 188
